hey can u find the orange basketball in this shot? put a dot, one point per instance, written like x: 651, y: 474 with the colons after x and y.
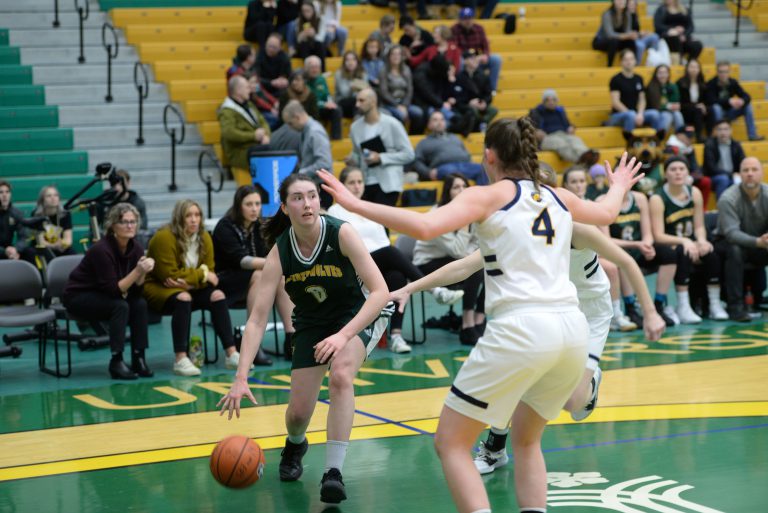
x: 237, y: 461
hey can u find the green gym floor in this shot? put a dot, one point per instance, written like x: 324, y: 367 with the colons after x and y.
x: 682, y: 426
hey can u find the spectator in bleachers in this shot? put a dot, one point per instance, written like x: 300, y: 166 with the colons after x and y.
x: 441, y: 153
x: 287, y: 12
x: 743, y: 221
x: 693, y: 88
x: 264, y: 101
x: 106, y: 286
x: 55, y: 238
x: 242, y: 126
x: 555, y: 131
x: 242, y: 62
x: 598, y: 183
x: 476, y: 91
x: 273, y: 65
x: 469, y: 35
x: 488, y: 7
x: 431, y: 88
x: 421, y: 9
x: 442, y: 46
x: 384, y: 34
x: 260, y: 20
x: 371, y: 133
x: 394, y: 266
x: 330, y: 14
x: 722, y: 157
x: 645, y: 39
x: 414, y: 39
x: 371, y: 59
x: 315, y: 150
x: 726, y: 99
x: 308, y: 35
x: 433, y: 254
x: 681, y: 144
x: 299, y: 90
x: 13, y: 235
x: 122, y: 193
x: 673, y: 22
x: 396, y: 91
x: 184, y: 279
x: 240, y: 253
x: 326, y: 107
x: 615, y: 32
x: 349, y: 80
x: 628, y: 104
x: 664, y: 97
x: 677, y: 220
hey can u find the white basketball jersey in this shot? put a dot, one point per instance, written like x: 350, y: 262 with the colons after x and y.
x: 587, y: 274
x: 526, y: 249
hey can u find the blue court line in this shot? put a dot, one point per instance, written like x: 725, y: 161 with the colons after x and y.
x: 660, y: 437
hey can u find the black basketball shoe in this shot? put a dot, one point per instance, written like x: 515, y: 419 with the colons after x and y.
x: 290, y: 462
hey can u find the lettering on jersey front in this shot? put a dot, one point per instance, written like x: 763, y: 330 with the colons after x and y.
x: 674, y: 216
x: 318, y: 292
x: 628, y: 218
x: 325, y: 271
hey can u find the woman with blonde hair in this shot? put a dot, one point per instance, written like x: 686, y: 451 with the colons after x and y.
x: 56, y: 234
x: 674, y: 23
x: 184, y: 280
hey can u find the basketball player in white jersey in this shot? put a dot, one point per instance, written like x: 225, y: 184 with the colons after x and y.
x: 534, y: 349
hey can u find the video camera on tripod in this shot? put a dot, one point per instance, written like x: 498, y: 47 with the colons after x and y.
x: 106, y: 199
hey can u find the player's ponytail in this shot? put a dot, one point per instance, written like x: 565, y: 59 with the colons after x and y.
x: 514, y: 142
x: 529, y: 160
x: 274, y: 226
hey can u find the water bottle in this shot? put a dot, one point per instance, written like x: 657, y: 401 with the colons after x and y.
x: 196, y: 351
x: 521, y: 12
x: 749, y: 300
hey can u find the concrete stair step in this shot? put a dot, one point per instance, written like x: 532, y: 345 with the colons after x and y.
x: 125, y: 113
x: 34, y: 6
x: 44, y: 20
x: 47, y: 36
x: 118, y: 136
x: 725, y: 40
x: 58, y: 55
x: 757, y: 70
x: 83, y: 74
x: 148, y: 157
x: 88, y: 94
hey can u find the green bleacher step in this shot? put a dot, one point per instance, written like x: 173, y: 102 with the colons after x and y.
x: 34, y: 139
x: 9, y: 55
x: 43, y: 163
x: 15, y: 74
x: 114, y: 4
x: 4, y: 37
x: 44, y: 116
x: 14, y: 95
x: 28, y: 188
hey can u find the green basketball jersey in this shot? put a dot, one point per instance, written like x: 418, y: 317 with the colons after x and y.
x: 678, y: 215
x: 324, y: 287
x: 627, y: 225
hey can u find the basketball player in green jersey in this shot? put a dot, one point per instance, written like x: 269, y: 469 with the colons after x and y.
x: 325, y: 265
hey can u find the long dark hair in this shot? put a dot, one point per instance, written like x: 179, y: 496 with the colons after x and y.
x: 445, y: 197
x: 514, y: 141
x: 685, y: 80
x: 235, y: 212
x: 274, y: 226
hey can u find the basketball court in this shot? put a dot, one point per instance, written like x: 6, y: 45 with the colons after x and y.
x: 681, y: 426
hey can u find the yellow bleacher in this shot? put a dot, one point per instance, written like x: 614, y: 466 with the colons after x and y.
x: 190, y: 49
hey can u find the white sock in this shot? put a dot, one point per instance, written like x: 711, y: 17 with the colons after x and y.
x: 335, y: 453
x: 484, y: 510
x: 713, y: 292
x: 499, y: 431
x: 683, y: 300
x: 297, y: 439
x: 617, y: 308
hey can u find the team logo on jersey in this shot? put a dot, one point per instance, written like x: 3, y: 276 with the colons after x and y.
x: 329, y: 249
x: 536, y: 197
x: 318, y: 292
x: 650, y: 493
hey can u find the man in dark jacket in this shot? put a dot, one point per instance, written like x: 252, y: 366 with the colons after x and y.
x: 722, y: 157
x: 476, y: 90
x: 273, y: 65
x: 725, y: 98
x: 415, y: 39
x: 556, y: 133
x: 10, y: 226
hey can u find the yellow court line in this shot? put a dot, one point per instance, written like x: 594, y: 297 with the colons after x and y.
x: 382, y: 430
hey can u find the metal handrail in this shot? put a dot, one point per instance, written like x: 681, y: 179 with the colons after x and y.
x: 56, y: 23
x: 110, y: 55
x: 82, y: 14
x: 208, y: 179
x: 171, y: 131
x: 143, y: 90
x: 740, y: 7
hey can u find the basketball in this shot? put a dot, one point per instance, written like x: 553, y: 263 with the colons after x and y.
x: 237, y: 462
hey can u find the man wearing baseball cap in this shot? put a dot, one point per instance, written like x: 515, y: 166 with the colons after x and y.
x: 468, y: 36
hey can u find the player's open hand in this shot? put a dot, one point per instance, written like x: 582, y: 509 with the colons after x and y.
x: 401, y: 298
x: 653, y: 326
x: 231, y: 401
x: 329, y: 347
x: 335, y: 188
x: 626, y: 173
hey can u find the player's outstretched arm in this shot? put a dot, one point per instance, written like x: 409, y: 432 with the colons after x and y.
x: 253, y: 334
x: 585, y: 236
